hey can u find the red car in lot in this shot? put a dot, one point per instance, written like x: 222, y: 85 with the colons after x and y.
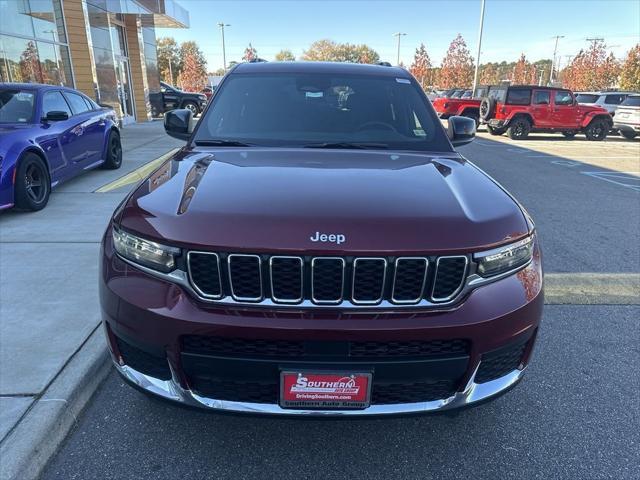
x: 521, y: 109
x: 318, y: 247
x: 465, y: 106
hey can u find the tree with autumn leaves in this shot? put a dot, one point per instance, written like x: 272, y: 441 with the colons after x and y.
x: 524, y: 73
x: 591, y: 69
x: 457, y: 66
x: 630, y: 74
x: 330, y: 51
x: 421, y: 67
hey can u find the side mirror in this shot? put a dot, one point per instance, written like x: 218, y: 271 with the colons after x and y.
x: 56, y: 116
x: 461, y: 130
x: 177, y: 123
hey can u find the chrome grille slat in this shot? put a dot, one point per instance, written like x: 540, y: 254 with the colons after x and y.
x: 316, y: 292
x: 438, y: 280
x: 294, y: 280
x: 421, y: 285
x: 243, y: 276
x: 372, y: 279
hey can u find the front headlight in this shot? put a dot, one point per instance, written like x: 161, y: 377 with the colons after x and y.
x: 503, y: 259
x: 145, y: 252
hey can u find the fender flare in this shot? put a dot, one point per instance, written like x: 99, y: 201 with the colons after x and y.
x: 520, y: 113
x: 591, y: 116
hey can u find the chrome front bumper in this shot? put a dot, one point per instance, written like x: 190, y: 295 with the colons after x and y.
x: 171, y: 390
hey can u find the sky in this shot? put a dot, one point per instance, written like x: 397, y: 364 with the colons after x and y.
x: 511, y: 27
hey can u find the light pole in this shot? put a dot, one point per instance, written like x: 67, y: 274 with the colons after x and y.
x: 477, y: 71
x: 553, y: 62
x: 398, y: 34
x: 224, y: 52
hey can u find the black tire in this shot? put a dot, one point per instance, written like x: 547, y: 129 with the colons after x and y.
x: 487, y: 107
x: 191, y: 106
x: 519, y: 128
x: 495, y: 131
x: 33, y: 184
x: 113, y: 160
x: 627, y: 134
x: 569, y: 133
x: 597, y: 130
x: 474, y: 116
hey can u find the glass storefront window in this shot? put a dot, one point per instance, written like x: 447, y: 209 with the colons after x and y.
x: 47, y: 20
x: 23, y: 60
x: 19, y: 60
x: 16, y: 17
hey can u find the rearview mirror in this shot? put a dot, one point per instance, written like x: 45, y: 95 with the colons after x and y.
x: 56, y: 116
x: 461, y: 130
x: 177, y: 123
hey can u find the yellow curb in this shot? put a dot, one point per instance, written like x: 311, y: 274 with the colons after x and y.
x: 592, y: 288
x: 138, y: 174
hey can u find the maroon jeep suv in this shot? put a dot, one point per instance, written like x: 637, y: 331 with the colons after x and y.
x: 318, y: 247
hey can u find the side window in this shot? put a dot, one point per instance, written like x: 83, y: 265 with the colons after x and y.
x: 542, y: 97
x: 89, y: 103
x: 519, y: 96
x: 54, y: 102
x: 78, y: 105
x: 563, y: 97
x: 614, y: 99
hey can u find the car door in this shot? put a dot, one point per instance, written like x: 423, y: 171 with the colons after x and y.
x: 54, y: 134
x: 541, y: 108
x: 565, y: 110
x: 170, y: 97
x: 89, y: 131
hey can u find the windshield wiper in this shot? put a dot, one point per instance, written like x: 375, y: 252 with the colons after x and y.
x: 222, y: 143
x: 358, y: 146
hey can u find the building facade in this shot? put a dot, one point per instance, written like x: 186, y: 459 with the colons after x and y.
x: 105, y: 48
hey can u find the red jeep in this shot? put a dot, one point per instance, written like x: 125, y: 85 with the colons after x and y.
x: 468, y: 106
x: 521, y: 109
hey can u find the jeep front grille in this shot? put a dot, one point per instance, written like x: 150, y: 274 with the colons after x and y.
x: 356, y: 281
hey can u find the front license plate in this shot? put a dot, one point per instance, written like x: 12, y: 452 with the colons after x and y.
x: 325, y: 390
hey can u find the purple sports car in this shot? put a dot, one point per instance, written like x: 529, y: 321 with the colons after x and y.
x: 49, y: 134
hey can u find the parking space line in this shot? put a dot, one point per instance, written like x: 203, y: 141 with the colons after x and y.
x: 624, y: 179
x: 136, y: 175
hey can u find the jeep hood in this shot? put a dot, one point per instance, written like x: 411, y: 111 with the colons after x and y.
x: 277, y: 199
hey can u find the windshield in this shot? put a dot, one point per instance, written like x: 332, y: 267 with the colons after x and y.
x: 295, y: 109
x: 587, y: 98
x: 16, y: 106
x: 633, y: 101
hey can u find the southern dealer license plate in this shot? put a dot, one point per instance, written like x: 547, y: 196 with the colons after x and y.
x: 325, y: 390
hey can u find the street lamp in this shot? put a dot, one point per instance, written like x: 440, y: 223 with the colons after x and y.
x: 399, y: 34
x: 553, y: 62
x: 224, y: 52
x: 475, y: 74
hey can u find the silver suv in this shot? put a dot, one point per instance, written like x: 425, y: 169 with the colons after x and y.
x: 627, y: 119
x: 608, y: 100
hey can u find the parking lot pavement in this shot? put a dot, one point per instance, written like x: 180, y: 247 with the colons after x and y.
x: 48, y: 276
x: 575, y: 415
x: 586, y: 223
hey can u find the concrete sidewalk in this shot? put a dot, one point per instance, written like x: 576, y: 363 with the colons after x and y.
x: 48, y: 285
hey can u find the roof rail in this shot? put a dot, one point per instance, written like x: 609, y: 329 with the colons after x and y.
x: 257, y: 60
x: 384, y: 64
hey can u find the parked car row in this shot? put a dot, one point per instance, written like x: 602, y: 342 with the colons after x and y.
x: 522, y: 109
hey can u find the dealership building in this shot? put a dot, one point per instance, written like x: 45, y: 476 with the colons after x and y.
x: 105, y: 48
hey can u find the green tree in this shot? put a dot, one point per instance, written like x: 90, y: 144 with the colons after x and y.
x: 285, y: 56
x: 457, y: 66
x: 421, y: 67
x: 330, y: 51
x: 168, y: 59
x: 630, y: 72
